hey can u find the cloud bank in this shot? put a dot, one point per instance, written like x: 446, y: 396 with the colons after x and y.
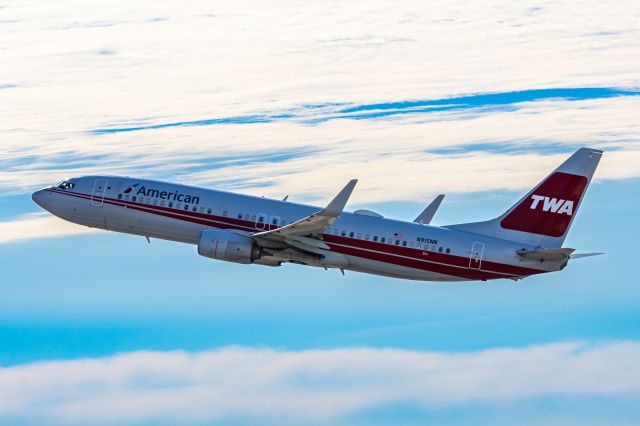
x: 413, y: 98
x: 325, y: 386
x: 34, y: 226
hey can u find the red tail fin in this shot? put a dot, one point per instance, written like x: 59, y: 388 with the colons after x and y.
x: 543, y: 216
x: 548, y: 210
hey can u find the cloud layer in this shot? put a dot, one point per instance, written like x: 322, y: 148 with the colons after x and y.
x: 358, y: 90
x: 313, y: 385
x: 33, y: 226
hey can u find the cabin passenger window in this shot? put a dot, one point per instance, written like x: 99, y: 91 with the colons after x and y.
x: 382, y: 240
x: 119, y: 196
x: 261, y: 219
x: 239, y: 215
x: 274, y: 221
x: 359, y: 236
x: 366, y: 237
x: 397, y: 242
x: 155, y: 202
x: 375, y: 238
x: 344, y: 233
x: 126, y: 197
x: 351, y: 234
x: 253, y: 218
x: 170, y: 203
x: 404, y: 244
x: 133, y: 198
x: 195, y: 208
x: 186, y: 206
x: 162, y: 203
x: 439, y: 249
x: 448, y: 251
x: 209, y: 211
x: 202, y: 210
x: 224, y: 213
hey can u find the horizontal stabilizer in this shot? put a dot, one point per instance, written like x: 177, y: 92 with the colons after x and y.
x: 428, y: 213
x: 550, y: 254
x: 581, y: 255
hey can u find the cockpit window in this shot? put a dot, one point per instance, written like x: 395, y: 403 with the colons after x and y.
x: 65, y: 185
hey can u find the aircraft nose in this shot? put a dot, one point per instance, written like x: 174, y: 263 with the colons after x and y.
x: 39, y: 198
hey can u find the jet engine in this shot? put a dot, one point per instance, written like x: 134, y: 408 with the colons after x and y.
x: 225, y: 245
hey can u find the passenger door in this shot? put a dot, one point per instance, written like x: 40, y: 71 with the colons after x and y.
x: 97, y: 196
x: 475, y: 258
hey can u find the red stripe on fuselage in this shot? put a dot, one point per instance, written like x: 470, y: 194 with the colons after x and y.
x: 442, y: 263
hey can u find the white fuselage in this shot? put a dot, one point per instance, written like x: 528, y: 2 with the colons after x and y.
x: 371, y: 244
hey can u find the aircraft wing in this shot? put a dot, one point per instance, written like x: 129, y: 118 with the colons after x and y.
x: 428, y: 213
x: 306, y: 232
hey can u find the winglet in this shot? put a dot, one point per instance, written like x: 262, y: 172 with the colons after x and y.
x: 335, y: 207
x: 428, y: 213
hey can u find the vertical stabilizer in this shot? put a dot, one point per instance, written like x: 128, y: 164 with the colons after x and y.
x: 543, y: 216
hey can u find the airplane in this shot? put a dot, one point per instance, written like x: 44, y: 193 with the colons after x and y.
x: 526, y: 240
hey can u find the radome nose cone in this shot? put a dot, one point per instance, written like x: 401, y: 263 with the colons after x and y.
x: 38, y: 198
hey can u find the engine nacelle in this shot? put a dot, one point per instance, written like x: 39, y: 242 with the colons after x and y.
x: 225, y: 245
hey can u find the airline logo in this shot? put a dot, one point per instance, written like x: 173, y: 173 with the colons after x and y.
x: 553, y: 205
x: 549, y: 211
x: 129, y: 189
x: 163, y: 195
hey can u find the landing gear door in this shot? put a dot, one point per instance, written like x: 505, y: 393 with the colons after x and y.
x: 475, y: 257
x: 97, y: 196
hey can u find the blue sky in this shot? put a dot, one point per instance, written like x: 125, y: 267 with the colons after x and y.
x: 103, y: 328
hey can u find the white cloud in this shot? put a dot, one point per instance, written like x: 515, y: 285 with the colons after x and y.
x: 34, y: 226
x: 165, y: 63
x: 323, y: 385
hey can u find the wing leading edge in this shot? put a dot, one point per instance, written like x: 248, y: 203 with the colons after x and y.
x: 311, y: 227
